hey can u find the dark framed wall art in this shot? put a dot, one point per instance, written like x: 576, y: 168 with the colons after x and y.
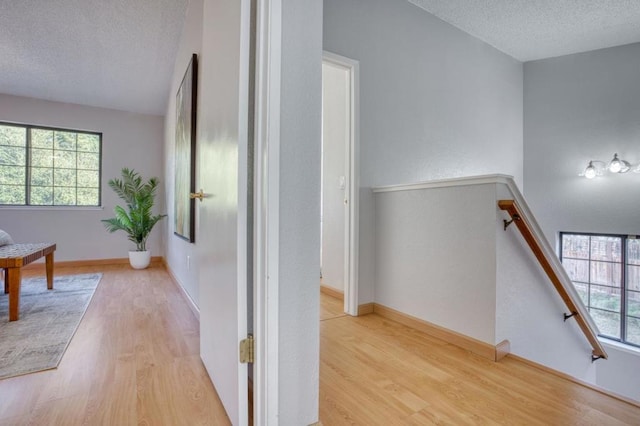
x: 185, y: 153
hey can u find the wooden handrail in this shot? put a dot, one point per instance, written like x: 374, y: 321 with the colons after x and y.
x: 520, y: 219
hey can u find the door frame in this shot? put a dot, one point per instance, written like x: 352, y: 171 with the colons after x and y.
x: 266, y: 211
x: 266, y: 205
x: 352, y: 195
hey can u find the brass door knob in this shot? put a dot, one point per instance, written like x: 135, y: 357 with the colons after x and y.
x: 198, y: 195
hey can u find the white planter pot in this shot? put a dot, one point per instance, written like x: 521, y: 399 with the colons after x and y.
x: 139, y: 259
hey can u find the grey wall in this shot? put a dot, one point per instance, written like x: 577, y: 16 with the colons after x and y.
x: 176, y: 249
x: 128, y: 140
x: 435, y: 103
x: 581, y: 107
x: 299, y: 233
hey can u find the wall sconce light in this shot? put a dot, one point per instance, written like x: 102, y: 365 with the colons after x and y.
x: 594, y: 169
x: 618, y: 166
x: 590, y: 172
x: 597, y: 168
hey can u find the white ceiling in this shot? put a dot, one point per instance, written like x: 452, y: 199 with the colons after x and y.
x: 120, y: 53
x: 536, y: 29
x: 110, y: 53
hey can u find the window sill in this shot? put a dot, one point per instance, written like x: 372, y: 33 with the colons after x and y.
x: 52, y: 208
x: 633, y: 350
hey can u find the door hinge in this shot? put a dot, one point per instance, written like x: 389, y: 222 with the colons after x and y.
x: 247, y: 350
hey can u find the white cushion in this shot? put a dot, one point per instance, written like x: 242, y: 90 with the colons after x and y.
x: 5, y: 238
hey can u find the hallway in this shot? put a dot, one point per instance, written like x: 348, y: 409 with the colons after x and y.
x: 134, y: 361
x: 377, y: 372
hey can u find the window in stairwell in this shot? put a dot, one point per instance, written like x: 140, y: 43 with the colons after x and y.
x: 605, y: 270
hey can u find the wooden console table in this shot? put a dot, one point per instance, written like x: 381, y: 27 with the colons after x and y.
x: 15, y: 256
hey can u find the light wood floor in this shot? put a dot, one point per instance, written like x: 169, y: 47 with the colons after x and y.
x: 133, y: 361
x: 377, y: 372
x: 330, y: 307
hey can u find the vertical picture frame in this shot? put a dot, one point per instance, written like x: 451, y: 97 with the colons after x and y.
x: 185, y: 153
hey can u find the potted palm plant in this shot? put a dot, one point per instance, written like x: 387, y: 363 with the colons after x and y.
x: 137, y: 219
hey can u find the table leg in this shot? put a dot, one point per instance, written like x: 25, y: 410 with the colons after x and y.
x: 6, y: 281
x: 14, y: 293
x: 49, y: 265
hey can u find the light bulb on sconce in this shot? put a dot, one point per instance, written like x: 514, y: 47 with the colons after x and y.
x: 594, y: 169
x: 590, y: 172
x: 618, y: 166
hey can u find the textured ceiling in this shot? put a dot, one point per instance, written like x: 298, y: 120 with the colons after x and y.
x: 110, y: 53
x: 120, y: 53
x: 536, y: 29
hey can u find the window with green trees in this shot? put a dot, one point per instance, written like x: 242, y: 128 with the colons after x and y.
x: 42, y: 166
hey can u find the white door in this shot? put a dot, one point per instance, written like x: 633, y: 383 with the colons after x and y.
x: 335, y: 149
x: 222, y: 170
x: 340, y: 170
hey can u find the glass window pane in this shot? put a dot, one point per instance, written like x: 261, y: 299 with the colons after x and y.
x: 575, y: 246
x: 633, y: 303
x: 12, y: 175
x: 608, y: 322
x: 578, y: 270
x: 65, y: 159
x: 633, y: 331
x: 42, y: 157
x: 606, y: 273
x: 605, y: 297
x: 88, y: 179
x: 64, y: 177
x: 41, y: 138
x: 13, y: 155
x: 633, y: 251
x: 88, y: 197
x: 583, y: 291
x: 88, y: 143
x: 88, y: 161
x: 65, y: 140
x: 606, y: 248
x: 13, y: 195
x: 633, y: 277
x: 64, y: 196
x: 13, y: 135
x: 41, y: 196
x: 41, y: 176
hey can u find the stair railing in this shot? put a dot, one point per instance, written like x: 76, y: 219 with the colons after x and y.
x: 554, y: 270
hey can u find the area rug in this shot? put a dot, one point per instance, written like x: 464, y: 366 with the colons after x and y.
x: 48, y: 321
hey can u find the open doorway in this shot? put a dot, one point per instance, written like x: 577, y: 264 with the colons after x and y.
x: 338, y: 258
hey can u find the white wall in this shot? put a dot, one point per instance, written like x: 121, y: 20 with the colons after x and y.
x: 176, y: 249
x: 621, y: 372
x: 300, y: 127
x: 579, y: 108
x: 436, y: 256
x: 128, y: 140
x: 335, y: 139
x: 435, y: 103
